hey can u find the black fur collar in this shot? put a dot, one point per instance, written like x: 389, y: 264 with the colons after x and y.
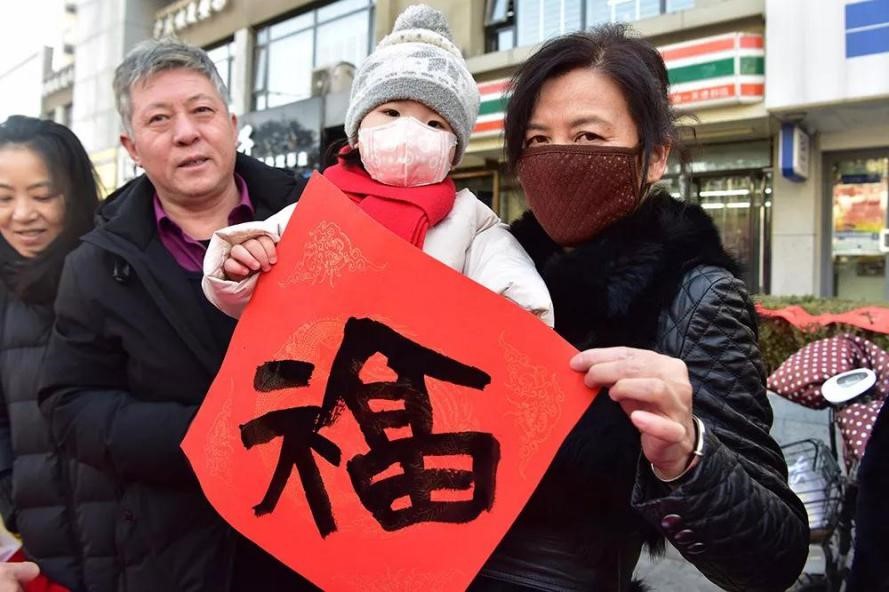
x: 611, y: 290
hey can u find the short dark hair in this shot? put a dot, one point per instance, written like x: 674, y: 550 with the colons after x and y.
x: 632, y: 63
x: 73, y: 175
x: 351, y: 158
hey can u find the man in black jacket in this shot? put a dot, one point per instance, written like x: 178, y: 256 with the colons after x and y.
x: 136, y: 346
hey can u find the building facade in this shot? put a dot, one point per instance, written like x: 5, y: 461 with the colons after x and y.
x: 289, y: 64
x: 828, y: 73
x: 57, y: 93
x: 41, y: 84
x: 20, y: 85
x: 714, y: 52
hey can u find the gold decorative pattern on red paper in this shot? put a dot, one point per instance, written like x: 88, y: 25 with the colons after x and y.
x: 407, y: 580
x: 220, y: 445
x: 535, y: 400
x: 329, y: 253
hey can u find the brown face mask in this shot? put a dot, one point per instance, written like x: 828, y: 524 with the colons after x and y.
x: 577, y: 191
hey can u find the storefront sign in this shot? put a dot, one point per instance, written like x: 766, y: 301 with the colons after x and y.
x: 59, y: 80
x: 840, y: 55
x: 492, y: 108
x: 285, y: 137
x: 793, y: 152
x: 182, y: 15
x: 722, y: 70
x: 867, y: 28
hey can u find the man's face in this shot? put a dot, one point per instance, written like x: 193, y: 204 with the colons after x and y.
x: 183, y: 136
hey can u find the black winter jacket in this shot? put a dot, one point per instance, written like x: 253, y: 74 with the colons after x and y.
x: 134, y: 351
x: 661, y: 280
x: 36, y: 488
x: 869, y: 570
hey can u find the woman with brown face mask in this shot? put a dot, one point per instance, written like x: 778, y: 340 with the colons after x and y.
x: 677, y: 444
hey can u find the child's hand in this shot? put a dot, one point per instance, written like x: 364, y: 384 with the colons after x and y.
x: 250, y: 257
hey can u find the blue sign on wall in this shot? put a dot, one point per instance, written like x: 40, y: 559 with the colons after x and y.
x: 793, y: 152
x: 867, y: 28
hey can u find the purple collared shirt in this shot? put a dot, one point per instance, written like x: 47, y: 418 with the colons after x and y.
x: 187, y: 251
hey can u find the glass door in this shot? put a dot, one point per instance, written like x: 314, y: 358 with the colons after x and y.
x: 858, y: 195
x: 740, y: 205
x: 485, y: 184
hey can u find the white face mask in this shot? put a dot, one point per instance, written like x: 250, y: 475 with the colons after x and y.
x: 406, y: 153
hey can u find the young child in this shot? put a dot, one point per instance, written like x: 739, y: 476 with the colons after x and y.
x: 412, y: 108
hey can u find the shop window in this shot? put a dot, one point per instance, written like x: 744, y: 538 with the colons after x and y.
x: 677, y: 5
x: 500, y: 25
x: 627, y: 11
x: 223, y: 56
x: 538, y: 20
x: 484, y: 184
x: 733, y: 184
x: 859, y: 213
x: 288, y: 51
x: 511, y: 23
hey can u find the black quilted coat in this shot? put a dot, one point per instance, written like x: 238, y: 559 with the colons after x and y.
x: 869, y: 570
x: 659, y: 279
x: 134, y: 350
x: 35, y: 491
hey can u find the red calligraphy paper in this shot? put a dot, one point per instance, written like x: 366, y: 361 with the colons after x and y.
x: 336, y: 264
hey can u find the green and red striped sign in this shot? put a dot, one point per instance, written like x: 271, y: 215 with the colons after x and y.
x: 492, y: 107
x: 721, y: 70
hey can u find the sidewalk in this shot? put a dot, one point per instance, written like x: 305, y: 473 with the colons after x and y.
x: 672, y: 573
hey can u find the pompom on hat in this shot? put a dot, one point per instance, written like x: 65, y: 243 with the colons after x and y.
x: 417, y: 61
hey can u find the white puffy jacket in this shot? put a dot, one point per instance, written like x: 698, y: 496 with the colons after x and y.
x: 470, y: 239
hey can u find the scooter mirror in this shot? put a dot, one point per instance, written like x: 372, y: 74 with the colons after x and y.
x: 842, y: 388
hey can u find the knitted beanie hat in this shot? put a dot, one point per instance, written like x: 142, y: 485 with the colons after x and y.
x: 418, y: 61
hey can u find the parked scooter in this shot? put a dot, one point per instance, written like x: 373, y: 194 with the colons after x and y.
x: 849, y: 376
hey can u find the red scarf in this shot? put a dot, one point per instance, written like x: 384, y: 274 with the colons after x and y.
x: 407, y: 211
